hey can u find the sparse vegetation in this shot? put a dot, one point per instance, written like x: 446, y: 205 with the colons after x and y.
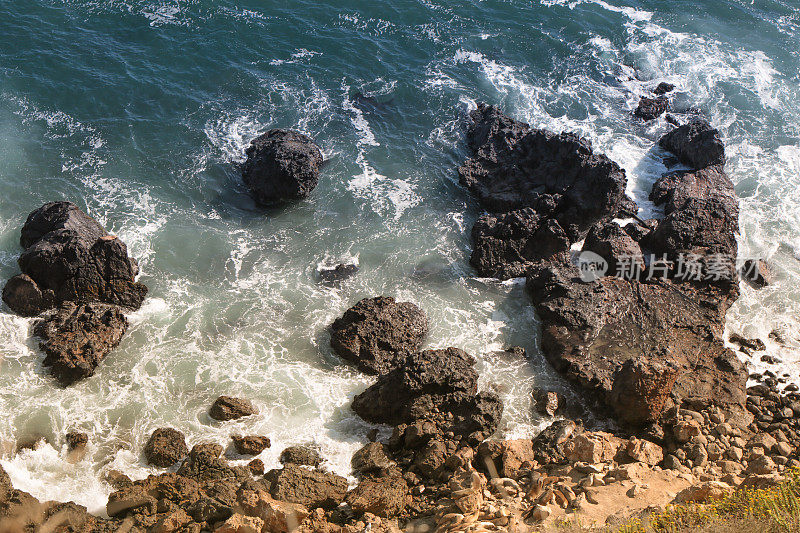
x: 770, y: 510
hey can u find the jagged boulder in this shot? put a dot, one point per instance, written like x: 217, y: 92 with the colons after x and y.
x: 68, y: 256
x: 651, y: 108
x: 301, y: 455
x: 433, y: 384
x: 281, y: 165
x: 544, y: 190
x: 377, y: 333
x: 697, y: 144
x: 385, y: 496
x: 165, y: 447
x: 76, y: 337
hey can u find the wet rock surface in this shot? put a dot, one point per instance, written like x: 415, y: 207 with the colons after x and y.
x: 377, y: 333
x: 227, y: 408
x: 696, y: 144
x: 75, y: 338
x: 281, y: 166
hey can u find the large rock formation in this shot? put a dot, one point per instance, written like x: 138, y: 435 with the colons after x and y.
x: 650, y: 339
x: 565, y: 185
x: 70, y: 257
x: 281, y: 166
x: 377, y: 333
x: 75, y: 338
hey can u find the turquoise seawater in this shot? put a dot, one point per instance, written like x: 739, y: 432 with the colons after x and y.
x: 139, y: 112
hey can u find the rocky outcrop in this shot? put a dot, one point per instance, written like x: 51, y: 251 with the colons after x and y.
x: 377, y: 333
x: 281, y: 166
x: 429, y: 383
x: 544, y: 191
x: 165, y: 447
x: 647, y: 338
x: 68, y: 256
x: 205, y: 465
x: 505, y: 244
x: 227, y: 408
x: 76, y: 337
x: 697, y: 144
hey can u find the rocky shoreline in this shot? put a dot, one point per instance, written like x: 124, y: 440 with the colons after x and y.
x: 640, y: 339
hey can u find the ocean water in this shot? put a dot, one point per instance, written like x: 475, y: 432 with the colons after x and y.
x: 140, y: 110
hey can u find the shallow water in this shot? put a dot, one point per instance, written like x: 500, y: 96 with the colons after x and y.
x: 139, y: 111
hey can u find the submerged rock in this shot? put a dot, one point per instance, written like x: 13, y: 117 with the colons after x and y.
x: 756, y: 272
x: 376, y: 333
x: 281, y: 166
x: 340, y: 272
x: 75, y: 338
x: 70, y: 257
x: 544, y: 190
x: 663, y: 88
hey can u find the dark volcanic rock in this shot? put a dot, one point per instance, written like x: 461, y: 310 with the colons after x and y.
x: 250, y: 444
x: 338, y: 273
x: 166, y: 447
x: 663, y: 88
x: 69, y: 257
x: 300, y: 455
x: 230, y: 408
x: 506, y: 244
x: 437, y: 372
x: 696, y: 144
x: 25, y: 297
x: 76, y: 440
x: 650, y: 108
x: 75, y: 338
x: 756, y: 272
x: 281, y: 166
x: 547, y: 445
x: 548, y: 189
x: 377, y: 333
x: 204, y: 464
x: 515, y: 167
x: 640, y: 389
x: 5, y: 485
x: 312, y: 488
x: 371, y: 459
x: 431, y: 383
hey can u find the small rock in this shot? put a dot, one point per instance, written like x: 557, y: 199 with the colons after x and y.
x: 230, y: 408
x: 663, y: 88
x: 372, y: 458
x: 251, y: 444
x: 756, y: 272
x: 644, y: 451
x: 256, y: 467
x: 238, y: 523
x: 540, y: 513
x: 547, y: 402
